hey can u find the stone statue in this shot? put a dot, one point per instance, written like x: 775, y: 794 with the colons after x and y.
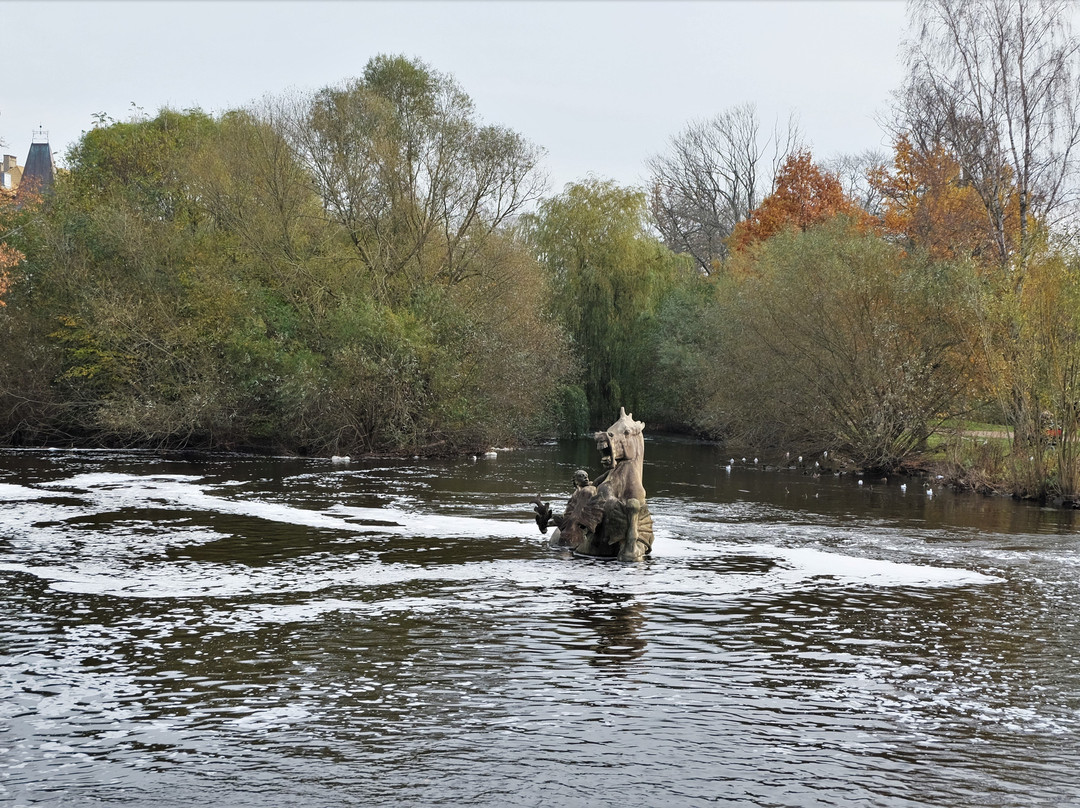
x: 582, y: 515
x: 607, y: 518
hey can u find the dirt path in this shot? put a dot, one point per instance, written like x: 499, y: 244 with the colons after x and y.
x: 977, y: 433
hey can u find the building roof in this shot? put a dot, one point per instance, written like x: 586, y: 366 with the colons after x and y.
x: 39, y: 169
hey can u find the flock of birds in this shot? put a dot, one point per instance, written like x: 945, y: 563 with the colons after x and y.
x: 344, y: 460
x: 927, y: 489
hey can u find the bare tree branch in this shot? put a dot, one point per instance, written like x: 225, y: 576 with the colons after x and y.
x: 713, y: 176
x: 997, y: 82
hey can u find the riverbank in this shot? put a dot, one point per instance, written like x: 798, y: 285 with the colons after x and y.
x: 980, y: 461
x: 971, y: 460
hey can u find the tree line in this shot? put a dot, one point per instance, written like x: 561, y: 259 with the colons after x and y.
x: 370, y: 268
x: 329, y: 273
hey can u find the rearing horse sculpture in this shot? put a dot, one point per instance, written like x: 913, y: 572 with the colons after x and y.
x: 607, y: 518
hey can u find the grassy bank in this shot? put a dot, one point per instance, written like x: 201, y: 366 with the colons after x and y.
x: 984, y: 457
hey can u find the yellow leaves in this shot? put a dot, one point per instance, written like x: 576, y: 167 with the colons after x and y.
x: 87, y: 358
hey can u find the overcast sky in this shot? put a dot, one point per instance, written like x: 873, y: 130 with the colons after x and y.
x: 601, y: 86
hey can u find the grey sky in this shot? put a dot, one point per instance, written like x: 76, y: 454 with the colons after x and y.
x: 600, y: 85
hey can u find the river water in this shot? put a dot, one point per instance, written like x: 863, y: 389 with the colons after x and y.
x: 243, y: 631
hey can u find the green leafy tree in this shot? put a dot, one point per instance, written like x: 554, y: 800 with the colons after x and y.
x: 1032, y: 353
x: 838, y: 340
x: 686, y: 342
x: 415, y: 181
x: 608, y: 274
x: 188, y: 283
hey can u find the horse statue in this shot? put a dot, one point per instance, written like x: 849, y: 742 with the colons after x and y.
x: 606, y: 517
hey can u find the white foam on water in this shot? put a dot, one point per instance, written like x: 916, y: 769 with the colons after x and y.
x: 271, y: 718
x: 119, y: 491
x: 667, y: 545
x: 101, y: 568
x: 793, y: 568
x: 810, y: 563
x: 175, y: 491
x: 431, y: 525
x: 20, y: 493
x: 552, y: 583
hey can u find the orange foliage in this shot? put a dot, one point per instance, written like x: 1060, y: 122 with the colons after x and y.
x: 9, y: 256
x: 804, y: 195
x: 927, y: 201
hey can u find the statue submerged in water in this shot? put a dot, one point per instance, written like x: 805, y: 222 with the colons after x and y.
x: 607, y: 517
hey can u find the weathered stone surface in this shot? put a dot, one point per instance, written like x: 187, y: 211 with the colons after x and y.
x: 607, y: 517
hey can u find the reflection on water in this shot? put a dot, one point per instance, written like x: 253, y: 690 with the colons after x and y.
x: 617, y: 619
x: 242, y: 631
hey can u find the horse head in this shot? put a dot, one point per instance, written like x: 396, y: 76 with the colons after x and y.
x: 622, y: 442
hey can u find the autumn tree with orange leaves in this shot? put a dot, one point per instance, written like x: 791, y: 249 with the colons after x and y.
x: 927, y: 202
x: 10, y: 205
x: 805, y: 195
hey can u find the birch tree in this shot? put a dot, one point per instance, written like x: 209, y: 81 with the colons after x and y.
x: 997, y: 82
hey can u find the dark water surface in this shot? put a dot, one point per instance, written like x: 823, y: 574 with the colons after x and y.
x: 252, y: 632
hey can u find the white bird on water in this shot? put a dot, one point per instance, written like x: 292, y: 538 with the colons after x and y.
x: 903, y: 488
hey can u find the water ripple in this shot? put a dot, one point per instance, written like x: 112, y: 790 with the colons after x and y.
x: 237, y: 630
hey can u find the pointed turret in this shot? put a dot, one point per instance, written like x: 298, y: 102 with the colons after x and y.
x: 39, y: 171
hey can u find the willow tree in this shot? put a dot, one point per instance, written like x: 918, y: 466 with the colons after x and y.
x: 608, y: 274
